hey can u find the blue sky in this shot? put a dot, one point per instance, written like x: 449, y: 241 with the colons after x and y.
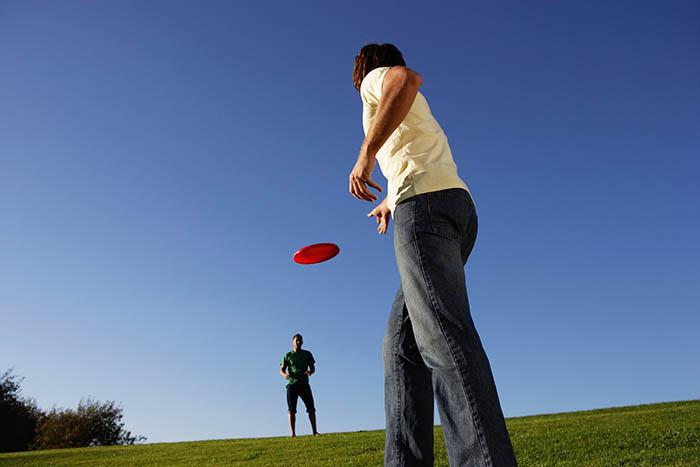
x: 160, y: 162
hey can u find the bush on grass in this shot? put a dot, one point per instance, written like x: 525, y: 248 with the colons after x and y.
x: 94, y: 423
x: 18, y: 415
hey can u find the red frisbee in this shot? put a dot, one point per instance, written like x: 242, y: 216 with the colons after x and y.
x: 316, y: 253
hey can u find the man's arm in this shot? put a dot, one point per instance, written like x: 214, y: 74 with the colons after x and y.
x: 311, y: 370
x: 399, y: 90
x: 283, y: 371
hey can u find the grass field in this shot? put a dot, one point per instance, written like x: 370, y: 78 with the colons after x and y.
x: 655, y: 434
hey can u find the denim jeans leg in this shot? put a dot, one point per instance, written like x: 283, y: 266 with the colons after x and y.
x: 408, y: 394
x: 434, y: 233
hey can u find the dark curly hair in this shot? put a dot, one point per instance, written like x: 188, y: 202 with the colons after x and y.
x: 374, y: 56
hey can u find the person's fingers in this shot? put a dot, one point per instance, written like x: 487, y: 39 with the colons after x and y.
x: 356, y: 189
x: 362, y: 191
x: 372, y: 183
x: 353, y: 188
x: 368, y: 195
x: 380, y: 222
x: 366, y: 191
x: 359, y: 190
x: 357, y: 186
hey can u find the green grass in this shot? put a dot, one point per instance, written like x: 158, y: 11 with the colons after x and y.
x: 655, y: 434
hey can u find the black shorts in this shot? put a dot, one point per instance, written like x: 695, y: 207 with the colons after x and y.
x: 297, y: 390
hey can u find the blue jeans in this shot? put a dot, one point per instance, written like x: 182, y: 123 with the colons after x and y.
x: 431, y: 348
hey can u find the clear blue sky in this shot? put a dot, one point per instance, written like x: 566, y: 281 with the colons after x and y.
x: 160, y: 162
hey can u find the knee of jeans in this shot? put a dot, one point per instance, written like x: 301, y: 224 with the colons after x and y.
x: 436, y: 354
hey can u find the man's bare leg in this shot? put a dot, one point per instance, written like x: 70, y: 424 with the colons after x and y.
x: 312, y: 419
x: 292, y: 422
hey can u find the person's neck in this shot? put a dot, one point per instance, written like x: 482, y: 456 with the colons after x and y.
x: 296, y: 349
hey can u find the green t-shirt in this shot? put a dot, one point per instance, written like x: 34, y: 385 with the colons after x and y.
x: 297, y: 363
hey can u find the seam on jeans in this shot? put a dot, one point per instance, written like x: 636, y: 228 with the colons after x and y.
x: 465, y: 385
x: 398, y: 436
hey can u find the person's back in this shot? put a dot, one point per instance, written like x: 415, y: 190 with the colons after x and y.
x: 416, y: 158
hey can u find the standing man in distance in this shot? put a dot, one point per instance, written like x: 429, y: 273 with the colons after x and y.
x: 296, y: 367
x: 431, y: 348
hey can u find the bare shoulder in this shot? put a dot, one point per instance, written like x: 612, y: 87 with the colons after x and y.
x: 402, y: 73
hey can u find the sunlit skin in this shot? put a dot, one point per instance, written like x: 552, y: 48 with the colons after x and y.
x: 296, y: 347
x: 399, y: 90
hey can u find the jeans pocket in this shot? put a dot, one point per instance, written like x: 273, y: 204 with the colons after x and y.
x: 447, y: 214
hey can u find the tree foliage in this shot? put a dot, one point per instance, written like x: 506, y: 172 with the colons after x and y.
x: 24, y: 426
x: 18, y: 415
x: 93, y: 423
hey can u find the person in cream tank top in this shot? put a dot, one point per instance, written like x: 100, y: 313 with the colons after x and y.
x: 431, y: 349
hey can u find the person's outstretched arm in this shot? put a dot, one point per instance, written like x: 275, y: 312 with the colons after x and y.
x: 399, y: 90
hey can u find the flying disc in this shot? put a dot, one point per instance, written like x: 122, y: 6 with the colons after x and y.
x: 316, y: 253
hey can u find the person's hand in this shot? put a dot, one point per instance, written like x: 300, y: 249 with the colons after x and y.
x: 286, y: 376
x: 360, y: 177
x: 382, y: 215
x: 307, y: 373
